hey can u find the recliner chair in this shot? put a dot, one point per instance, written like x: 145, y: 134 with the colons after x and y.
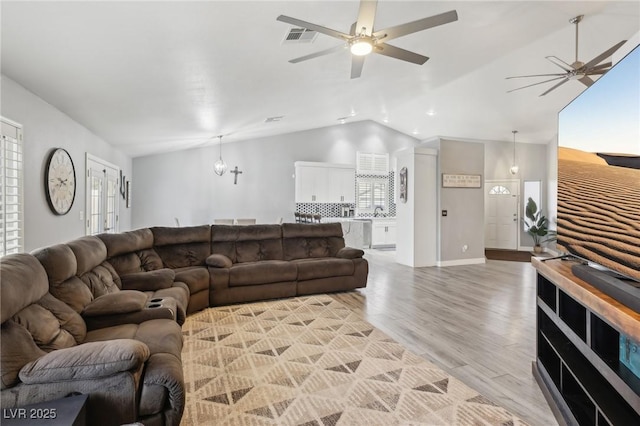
x: 131, y: 372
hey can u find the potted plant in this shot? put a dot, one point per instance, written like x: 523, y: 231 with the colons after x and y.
x: 537, y: 226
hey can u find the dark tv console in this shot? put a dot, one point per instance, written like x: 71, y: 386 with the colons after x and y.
x: 577, y: 362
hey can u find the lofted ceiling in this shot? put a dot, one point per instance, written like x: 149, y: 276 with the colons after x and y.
x: 152, y: 77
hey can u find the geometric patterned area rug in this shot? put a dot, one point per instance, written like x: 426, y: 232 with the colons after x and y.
x: 313, y: 361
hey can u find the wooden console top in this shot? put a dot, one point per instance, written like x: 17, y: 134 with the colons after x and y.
x: 625, y: 319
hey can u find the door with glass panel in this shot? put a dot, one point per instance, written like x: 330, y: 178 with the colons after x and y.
x: 102, y: 196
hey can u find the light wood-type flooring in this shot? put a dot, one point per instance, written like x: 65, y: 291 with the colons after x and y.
x: 476, y: 322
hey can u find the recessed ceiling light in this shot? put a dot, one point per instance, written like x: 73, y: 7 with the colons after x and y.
x: 415, y: 132
x: 343, y: 120
x: 385, y: 120
x: 431, y: 113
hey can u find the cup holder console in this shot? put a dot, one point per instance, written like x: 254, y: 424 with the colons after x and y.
x: 167, y: 303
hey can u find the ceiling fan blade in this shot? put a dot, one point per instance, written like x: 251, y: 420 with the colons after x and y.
x: 535, y: 75
x: 320, y: 53
x: 314, y: 27
x: 415, y: 26
x: 357, y: 63
x: 535, y: 84
x: 559, y: 62
x: 556, y: 86
x: 398, y: 53
x: 596, y: 72
x: 601, y: 57
x: 366, y: 16
x: 586, y: 81
x: 600, y: 67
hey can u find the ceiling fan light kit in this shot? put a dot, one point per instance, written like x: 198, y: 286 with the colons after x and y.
x: 578, y: 70
x: 361, y: 46
x: 367, y: 40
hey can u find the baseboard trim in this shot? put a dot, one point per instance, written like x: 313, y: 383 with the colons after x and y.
x: 461, y: 262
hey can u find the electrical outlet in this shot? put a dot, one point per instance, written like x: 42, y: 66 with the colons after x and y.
x: 444, y: 212
x: 465, y: 248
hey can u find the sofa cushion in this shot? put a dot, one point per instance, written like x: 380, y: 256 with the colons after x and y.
x: 127, y: 242
x: 195, y: 277
x: 262, y: 272
x: 89, y: 251
x: 89, y: 361
x: 182, y: 247
x: 14, y: 356
x: 301, y: 241
x: 131, y: 251
x: 160, y: 335
x: 252, y: 251
x: 24, y: 281
x: 52, y: 324
x: 309, y: 269
x: 101, y: 280
x: 61, y: 266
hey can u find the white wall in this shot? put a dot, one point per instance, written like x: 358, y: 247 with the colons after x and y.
x: 417, y: 221
x: 44, y: 128
x: 464, y: 224
x: 182, y: 184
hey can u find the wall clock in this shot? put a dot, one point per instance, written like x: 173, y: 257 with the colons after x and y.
x: 60, y: 181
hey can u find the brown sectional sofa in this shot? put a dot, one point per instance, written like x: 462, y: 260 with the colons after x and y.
x: 267, y: 261
x: 101, y: 314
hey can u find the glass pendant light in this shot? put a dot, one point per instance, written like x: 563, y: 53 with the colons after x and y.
x: 514, y: 168
x: 220, y: 166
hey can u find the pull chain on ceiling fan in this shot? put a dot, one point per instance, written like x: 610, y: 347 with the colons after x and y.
x: 363, y: 39
x: 577, y: 70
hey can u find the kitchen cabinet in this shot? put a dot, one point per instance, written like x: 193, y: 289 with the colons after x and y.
x: 383, y: 232
x: 324, y: 183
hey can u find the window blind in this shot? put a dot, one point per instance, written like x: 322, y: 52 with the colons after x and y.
x: 11, y: 189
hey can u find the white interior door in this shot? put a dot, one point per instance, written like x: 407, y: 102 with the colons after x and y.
x: 102, y: 196
x: 501, y: 214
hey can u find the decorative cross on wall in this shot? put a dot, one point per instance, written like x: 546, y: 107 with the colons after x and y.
x: 236, y: 172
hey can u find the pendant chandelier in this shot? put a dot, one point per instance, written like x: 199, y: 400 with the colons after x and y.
x: 220, y: 166
x: 514, y: 167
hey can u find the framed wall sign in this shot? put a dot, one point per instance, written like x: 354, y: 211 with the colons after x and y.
x: 403, y: 184
x: 461, y: 181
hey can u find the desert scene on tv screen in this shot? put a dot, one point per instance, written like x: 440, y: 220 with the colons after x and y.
x: 599, y: 208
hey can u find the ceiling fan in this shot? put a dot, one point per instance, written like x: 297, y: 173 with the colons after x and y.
x: 363, y: 39
x: 577, y: 70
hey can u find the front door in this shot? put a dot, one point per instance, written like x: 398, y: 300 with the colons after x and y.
x: 501, y: 214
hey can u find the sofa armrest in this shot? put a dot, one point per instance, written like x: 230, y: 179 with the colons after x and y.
x: 87, y: 361
x: 126, y: 307
x: 219, y: 261
x: 121, y: 302
x: 350, y: 253
x: 148, y: 280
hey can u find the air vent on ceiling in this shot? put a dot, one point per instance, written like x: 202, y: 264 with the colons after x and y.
x: 299, y: 35
x: 273, y: 119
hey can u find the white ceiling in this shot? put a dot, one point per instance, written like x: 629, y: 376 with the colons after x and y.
x: 150, y: 77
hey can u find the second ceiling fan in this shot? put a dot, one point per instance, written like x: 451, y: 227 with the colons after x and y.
x: 362, y: 39
x: 578, y: 70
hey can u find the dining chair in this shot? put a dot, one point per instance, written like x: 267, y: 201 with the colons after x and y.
x: 245, y: 221
x: 223, y: 221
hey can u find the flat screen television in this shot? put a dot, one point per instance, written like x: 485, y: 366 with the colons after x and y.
x: 599, y: 172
